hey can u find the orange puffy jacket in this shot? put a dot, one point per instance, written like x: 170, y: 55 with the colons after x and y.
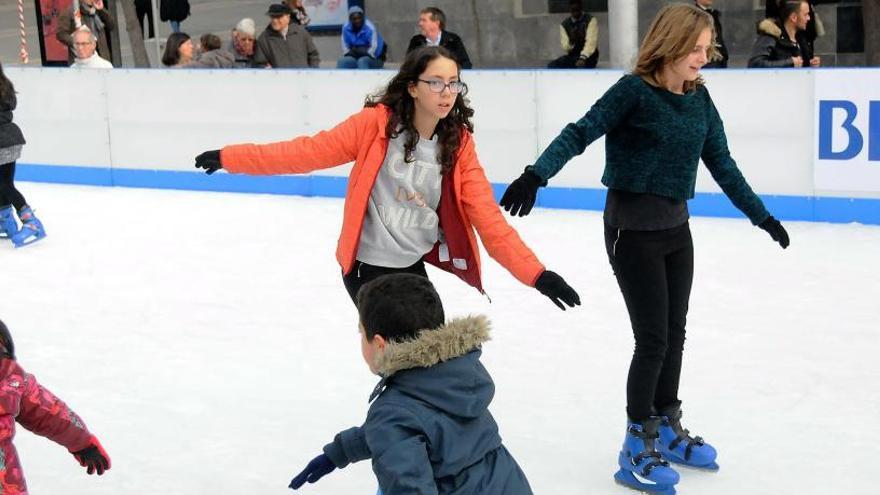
x: 466, y: 199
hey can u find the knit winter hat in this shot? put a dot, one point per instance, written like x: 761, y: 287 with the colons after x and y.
x: 399, y: 306
x: 355, y: 10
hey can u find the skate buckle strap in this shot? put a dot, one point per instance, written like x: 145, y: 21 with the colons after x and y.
x: 641, y: 456
x: 685, y: 434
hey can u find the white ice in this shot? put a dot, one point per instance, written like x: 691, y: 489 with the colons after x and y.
x: 207, y: 340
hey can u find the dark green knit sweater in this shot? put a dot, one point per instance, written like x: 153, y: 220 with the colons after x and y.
x: 654, y: 141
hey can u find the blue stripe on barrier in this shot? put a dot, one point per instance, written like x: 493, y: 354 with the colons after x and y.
x: 806, y: 208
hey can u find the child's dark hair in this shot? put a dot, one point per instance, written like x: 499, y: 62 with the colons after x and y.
x: 398, y: 306
x: 7, y: 348
x: 397, y: 98
x: 210, y: 42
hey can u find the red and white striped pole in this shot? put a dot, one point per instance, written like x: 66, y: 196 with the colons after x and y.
x: 23, y: 53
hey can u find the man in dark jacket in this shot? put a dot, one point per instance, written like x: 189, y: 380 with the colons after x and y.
x: 783, y: 42
x: 432, y: 23
x: 429, y: 429
x: 579, y: 36
x: 94, y: 16
x: 285, y: 45
x: 718, y: 63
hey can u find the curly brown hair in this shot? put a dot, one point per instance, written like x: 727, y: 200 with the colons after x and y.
x: 396, y: 97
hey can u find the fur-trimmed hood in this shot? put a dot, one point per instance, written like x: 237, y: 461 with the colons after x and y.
x: 442, y: 367
x: 456, y: 338
x: 770, y: 28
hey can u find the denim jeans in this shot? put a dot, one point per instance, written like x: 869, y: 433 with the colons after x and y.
x: 349, y: 62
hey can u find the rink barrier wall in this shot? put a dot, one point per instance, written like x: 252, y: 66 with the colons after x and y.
x: 142, y: 128
x: 819, y: 209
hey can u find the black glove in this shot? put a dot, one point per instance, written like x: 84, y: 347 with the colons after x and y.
x: 317, y: 468
x: 520, y: 195
x: 776, y: 231
x: 553, y: 286
x: 210, y: 161
x: 93, y: 457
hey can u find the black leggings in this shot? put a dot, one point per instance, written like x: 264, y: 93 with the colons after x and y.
x: 654, y: 270
x: 363, y: 273
x: 9, y: 195
x: 144, y: 8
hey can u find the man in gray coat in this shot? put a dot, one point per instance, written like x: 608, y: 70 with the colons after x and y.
x: 284, y: 45
x: 429, y: 430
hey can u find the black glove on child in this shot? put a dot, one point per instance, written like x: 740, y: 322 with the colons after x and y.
x: 553, y: 286
x: 210, y: 161
x: 93, y: 458
x: 776, y: 231
x: 519, y: 198
x: 317, y: 468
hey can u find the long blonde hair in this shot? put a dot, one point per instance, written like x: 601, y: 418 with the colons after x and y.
x: 671, y: 37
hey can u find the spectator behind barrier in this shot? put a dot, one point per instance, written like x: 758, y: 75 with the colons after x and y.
x: 362, y: 45
x: 299, y: 12
x: 144, y: 9
x: 432, y: 24
x: 178, y: 50
x: 722, y: 57
x: 174, y: 12
x: 284, y: 45
x: 579, y: 36
x: 783, y: 42
x: 210, y: 54
x: 95, y: 17
x: 815, y: 28
x: 85, y: 47
x: 241, y: 43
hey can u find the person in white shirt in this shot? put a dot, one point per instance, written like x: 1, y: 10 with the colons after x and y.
x: 84, y: 46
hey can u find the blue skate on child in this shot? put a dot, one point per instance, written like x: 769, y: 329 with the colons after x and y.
x: 642, y: 468
x: 31, y: 228
x: 8, y: 225
x: 677, y: 445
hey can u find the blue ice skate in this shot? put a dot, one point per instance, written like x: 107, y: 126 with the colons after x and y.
x: 31, y: 228
x: 677, y: 445
x: 642, y: 468
x: 8, y: 225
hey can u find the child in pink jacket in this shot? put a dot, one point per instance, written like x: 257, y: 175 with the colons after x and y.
x: 25, y: 401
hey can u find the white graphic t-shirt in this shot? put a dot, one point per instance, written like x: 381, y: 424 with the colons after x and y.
x: 401, y: 224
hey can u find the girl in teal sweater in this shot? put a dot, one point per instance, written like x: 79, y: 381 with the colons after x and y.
x: 658, y: 122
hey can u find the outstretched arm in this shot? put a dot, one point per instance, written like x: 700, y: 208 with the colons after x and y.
x: 300, y: 155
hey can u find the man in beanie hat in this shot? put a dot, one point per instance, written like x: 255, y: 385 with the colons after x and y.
x: 284, y: 45
x: 362, y: 45
x: 23, y: 400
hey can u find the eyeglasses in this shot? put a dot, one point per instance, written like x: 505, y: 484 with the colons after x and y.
x: 436, y: 86
x: 82, y: 43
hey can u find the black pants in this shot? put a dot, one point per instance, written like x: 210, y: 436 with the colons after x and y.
x: 654, y: 271
x: 568, y: 62
x: 144, y: 8
x: 363, y: 273
x: 9, y: 195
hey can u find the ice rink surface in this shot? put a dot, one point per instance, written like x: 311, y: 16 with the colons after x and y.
x: 207, y: 339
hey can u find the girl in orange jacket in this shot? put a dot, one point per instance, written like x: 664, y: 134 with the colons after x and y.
x: 416, y: 191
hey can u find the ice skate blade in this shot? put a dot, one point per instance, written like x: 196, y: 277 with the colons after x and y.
x: 28, y: 241
x: 709, y: 468
x: 628, y: 480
